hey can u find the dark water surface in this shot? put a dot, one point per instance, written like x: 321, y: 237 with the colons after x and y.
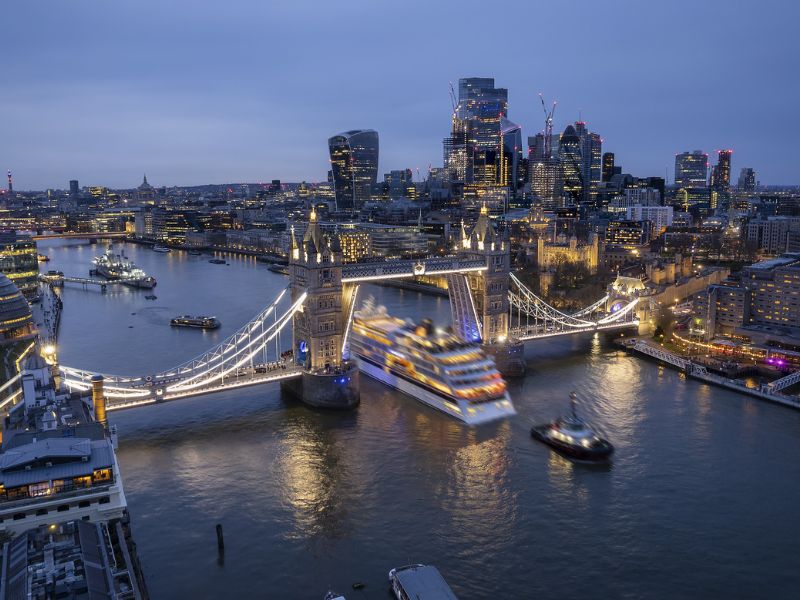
x: 700, y: 501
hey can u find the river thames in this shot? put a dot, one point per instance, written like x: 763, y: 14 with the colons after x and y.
x: 700, y: 500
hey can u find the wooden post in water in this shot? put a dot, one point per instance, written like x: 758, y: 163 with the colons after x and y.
x: 220, y: 540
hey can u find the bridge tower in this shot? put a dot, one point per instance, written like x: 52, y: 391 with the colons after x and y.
x: 315, y: 268
x: 489, y: 291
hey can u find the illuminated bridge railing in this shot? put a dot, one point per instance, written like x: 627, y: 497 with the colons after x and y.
x: 399, y: 269
x: 531, y: 317
x: 250, y: 356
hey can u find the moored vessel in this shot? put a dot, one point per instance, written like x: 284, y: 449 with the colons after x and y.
x: 419, y: 582
x: 572, y: 436
x: 432, y: 365
x: 198, y: 322
x: 160, y: 248
x: 115, y: 268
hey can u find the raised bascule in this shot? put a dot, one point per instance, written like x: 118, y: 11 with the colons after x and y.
x: 489, y: 305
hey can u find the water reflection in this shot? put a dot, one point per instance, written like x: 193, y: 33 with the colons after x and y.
x: 310, y: 498
x: 316, y: 477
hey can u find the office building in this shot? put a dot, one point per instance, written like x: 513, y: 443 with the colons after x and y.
x: 747, y: 180
x: 608, y: 166
x: 19, y: 261
x: 544, y: 173
x: 73, y: 187
x: 721, y: 174
x: 16, y: 321
x: 354, y: 165
x: 764, y: 305
x: 628, y: 234
x: 569, y: 154
x: 511, y: 174
x: 660, y: 217
x: 691, y: 169
x: 771, y: 235
x: 484, y: 149
x: 591, y: 162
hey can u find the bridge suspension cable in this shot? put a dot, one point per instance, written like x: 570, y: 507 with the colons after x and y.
x: 529, y: 303
x: 211, y: 367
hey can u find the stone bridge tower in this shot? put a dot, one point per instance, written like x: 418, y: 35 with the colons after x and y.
x: 315, y: 268
x: 489, y: 290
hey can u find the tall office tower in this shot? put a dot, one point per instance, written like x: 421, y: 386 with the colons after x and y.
x: 354, y: 162
x: 536, y: 147
x: 484, y: 148
x: 511, y: 173
x: 747, y: 180
x: 691, y: 169
x: 721, y: 174
x: 569, y: 153
x: 456, y: 163
x: 608, y: 166
x: 591, y: 161
x: 73, y: 187
x: 544, y: 172
x: 10, y: 184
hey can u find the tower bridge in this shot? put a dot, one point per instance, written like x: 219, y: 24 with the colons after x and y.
x: 489, y: 305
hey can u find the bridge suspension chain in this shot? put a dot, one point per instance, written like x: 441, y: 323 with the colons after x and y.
x: 213, y: 365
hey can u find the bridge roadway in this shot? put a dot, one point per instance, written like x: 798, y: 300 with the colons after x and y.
x: 401, y: 269
x: 245, y: 378
x: 525, y: 334
x: 97, y: 235
x: 57, y: 279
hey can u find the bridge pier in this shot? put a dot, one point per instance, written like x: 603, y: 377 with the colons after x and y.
x: 318, y: 328
x: 338, y: 389
x: 509, y: 357
x: 489, y: 295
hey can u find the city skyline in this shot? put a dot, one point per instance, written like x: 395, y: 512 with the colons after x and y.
x: 209, y: 98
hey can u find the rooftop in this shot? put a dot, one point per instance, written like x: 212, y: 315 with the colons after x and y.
x: 780, y: 261
x: 76, y: 559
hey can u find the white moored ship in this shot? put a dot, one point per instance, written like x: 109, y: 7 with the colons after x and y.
x: 434, y: 366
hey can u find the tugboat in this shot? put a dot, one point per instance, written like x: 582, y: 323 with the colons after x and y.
x: 198, y: 322
x: 573, y: 437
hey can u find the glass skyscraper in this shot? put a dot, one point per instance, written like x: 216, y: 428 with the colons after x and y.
x: 721, y: 175
x: 591, y: 162
x: 747, y: 180
x: 484, y: 149
x: 354, y: 166
x: 569, y: 152
x: 691, y: 169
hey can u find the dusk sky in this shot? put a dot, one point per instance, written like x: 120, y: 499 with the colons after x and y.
x: 194, y: 92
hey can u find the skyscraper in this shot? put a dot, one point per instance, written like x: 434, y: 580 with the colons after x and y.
x: 747, y: 180
x: 73, y: 187
x: 608, y: 166
x: 569, y: 153
x: 511, y: 173
x: 544, y: 172
x: 591, y: 164
x: 484, y: 148
x: 354, y: 162
x: 10, y: 184
x: 691, y: 169
x: 721, y: 174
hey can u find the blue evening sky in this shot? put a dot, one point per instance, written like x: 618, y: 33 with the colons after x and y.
x: 194, y: 91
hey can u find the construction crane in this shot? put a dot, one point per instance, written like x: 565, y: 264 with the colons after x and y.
x: 548, y: 127
x: 453, y: 101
